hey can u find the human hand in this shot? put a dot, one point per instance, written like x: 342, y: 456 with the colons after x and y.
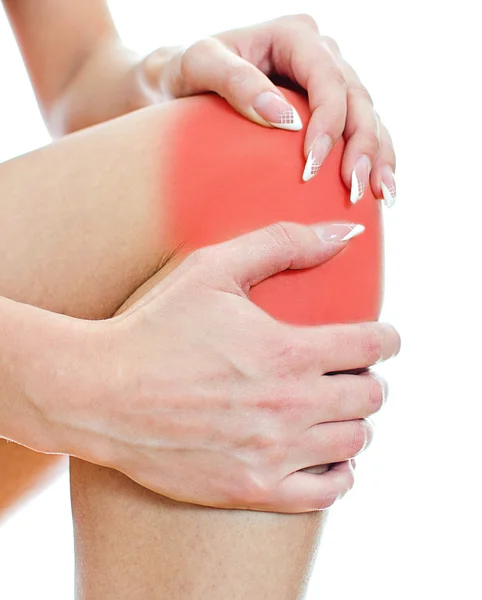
x: 198, y: 394
x: 236, y: 64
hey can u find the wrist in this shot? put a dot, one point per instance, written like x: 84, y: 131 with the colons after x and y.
x: 157, y: 74
x: 21, y: 416
x: 36, y: 373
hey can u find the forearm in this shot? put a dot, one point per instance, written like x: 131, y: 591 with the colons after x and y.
x: 105, y: 86
x: 25, y: 343
x: 77, y: 65
x: 81, y: 228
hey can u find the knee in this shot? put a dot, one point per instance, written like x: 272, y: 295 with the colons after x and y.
x: 232, y: 176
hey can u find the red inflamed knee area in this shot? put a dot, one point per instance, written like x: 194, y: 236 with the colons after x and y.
x: 228, y: 176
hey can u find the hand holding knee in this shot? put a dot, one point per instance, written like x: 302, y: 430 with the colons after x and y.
x: 198, y: 394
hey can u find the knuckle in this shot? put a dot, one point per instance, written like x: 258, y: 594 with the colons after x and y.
x: 289, y: 357
x: 306, y: 20
x: 239, y: 73
x: 372, y: 347
x: 336, y: 75
x: 257, y: 490
x: 331, y: 44
x: 281, y: 233
x: 332, y: 395
x: 371, y: 142
x: 200, y: 48
x: 204, y: 265
x: 193, y: 53
x: 265, y: 441
x: 203, y: 256
x: 342, y: 391
x: 359, y: 437
x: 358, y: 89
x: 285, y: 401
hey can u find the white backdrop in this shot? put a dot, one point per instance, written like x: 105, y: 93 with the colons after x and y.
x: 411, y: 526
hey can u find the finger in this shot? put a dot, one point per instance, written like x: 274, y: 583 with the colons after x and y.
x: 306, y: 492
x: 384, y: 169
x: 344, y: 347
x: 316, y: 67
x: 331, y: 443
x: 344, y: 398
x: 361, y: 134
x: 157, y: 74
x: 251, y: 258
x: 210, y: 65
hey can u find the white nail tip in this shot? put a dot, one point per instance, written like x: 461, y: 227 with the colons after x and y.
x: 389, y: 195
x: 356, y: 189
x: 311, y: 167
x: 357, y: 229
x: 289, y: 120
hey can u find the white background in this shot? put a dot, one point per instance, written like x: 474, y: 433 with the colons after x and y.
x: 411, y: 527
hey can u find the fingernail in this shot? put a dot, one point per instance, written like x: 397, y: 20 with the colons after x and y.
x: 353, y: 463
x: 338, y: 232
x: 318, y: 152
x: 389, y: 187
x: 277, y: 111
x: 359, y: 178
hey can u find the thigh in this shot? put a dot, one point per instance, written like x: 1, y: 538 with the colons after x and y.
x: 227, y: 176
x: 80, y: 230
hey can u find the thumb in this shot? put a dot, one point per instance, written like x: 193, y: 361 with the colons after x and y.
x: 250, y: 258
x: 255, y: 256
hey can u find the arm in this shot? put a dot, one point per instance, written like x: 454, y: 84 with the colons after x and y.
x: 83, y: 75
x: 80, y: 71
x: 85, y: 228
x: 27, y: 335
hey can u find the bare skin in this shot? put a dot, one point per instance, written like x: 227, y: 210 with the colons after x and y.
x: 74, y: 92
x: 123, y: 241
x: 132, y: 543
x: 162, y: 548
x: 112, y: 241
x: 82, y: 74
x: 72, y: 287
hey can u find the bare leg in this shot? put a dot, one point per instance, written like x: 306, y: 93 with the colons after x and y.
x: 79, y: 232
x: 106, y: 241
x: 131, y: 543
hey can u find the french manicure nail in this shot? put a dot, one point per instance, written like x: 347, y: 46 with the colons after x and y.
x: 359, y: 178
x: 317, y: 154
x: 389, y: 187
x: 277, y: 111
x: 338, y: 232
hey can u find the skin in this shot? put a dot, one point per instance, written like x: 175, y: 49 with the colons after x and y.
x: 118, y: 524
x: 74, y: 92
x: 111, y: 237
x: 68, y: 104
